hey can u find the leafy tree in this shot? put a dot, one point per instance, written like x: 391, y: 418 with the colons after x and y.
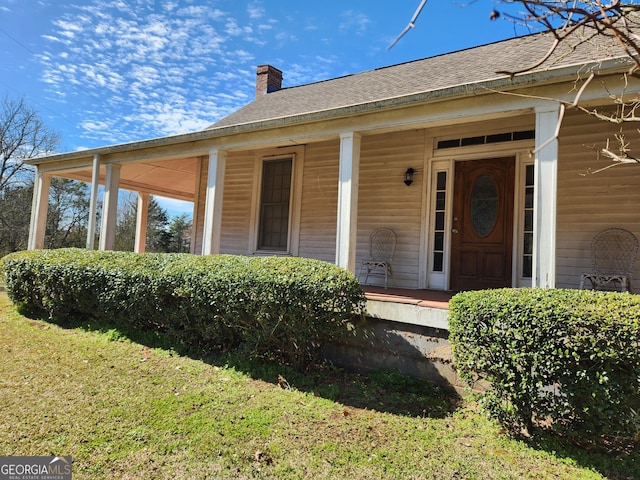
x: 158, y: 238
x: 157, y: 220
x: 15, y: 204
x: 180, y: 233
x: 66, y: 219
x: 126, y: 222
x: 68, y: 213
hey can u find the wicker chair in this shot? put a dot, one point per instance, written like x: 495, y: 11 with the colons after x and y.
x: 382, y: 246
x: 613, y: 253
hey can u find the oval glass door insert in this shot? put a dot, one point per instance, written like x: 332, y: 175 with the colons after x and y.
x: 484, y: 205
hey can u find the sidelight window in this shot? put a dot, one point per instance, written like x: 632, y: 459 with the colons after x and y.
x: 527, y: 246
x: 439, y: 213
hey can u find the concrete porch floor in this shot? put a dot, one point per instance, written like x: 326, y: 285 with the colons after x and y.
x: 428, y: 308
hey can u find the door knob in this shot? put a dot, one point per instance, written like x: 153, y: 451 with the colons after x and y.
x: 454, y: 230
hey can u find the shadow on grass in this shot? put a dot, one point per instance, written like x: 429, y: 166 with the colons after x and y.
x: 382, y: 391
x: 614, y: 459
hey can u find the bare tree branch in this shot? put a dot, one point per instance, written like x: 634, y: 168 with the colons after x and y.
x: 410, y: 25
x: 556, y: 132
x: 563, y: 18
x: 572, y: 23
x: 553, y: 48
x: 23, y: 135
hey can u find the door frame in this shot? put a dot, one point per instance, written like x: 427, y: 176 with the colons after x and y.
x: 445, y: 162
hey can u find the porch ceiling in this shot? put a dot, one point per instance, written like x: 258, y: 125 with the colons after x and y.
x: 175, y: 178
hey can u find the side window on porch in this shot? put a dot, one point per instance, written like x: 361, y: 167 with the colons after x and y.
x: 527, y: 247
x: 439, y: 215
x: 274, y: 205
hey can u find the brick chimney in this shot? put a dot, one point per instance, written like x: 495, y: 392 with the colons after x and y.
x: 268, y: 79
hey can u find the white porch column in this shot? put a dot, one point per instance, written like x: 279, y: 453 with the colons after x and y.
x: 142, y: 214
x: 545, y: 196
x: 195, y: 231
x: 213, y: 202
x: 39, y: 208
x: 93, y: 203
x: 110, y: 208
x: 348, y: 180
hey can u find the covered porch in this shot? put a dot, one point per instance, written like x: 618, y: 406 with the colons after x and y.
x: 341, y: 187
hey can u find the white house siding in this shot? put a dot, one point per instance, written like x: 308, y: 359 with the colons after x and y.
x: 384, y: 201
x: 590, y: 203
x: 236, y: 207
x: 319, y: 201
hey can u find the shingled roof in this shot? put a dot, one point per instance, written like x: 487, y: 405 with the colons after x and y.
x: 433, y: 74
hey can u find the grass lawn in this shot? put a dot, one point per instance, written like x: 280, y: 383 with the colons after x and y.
x: 131, y: 409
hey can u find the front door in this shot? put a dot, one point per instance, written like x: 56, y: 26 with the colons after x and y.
x: 482, y: 233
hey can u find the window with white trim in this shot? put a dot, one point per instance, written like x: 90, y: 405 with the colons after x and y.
x: 275, y: 205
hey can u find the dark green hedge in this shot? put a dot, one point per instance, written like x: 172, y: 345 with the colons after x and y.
x: 265, y: 305
x: 567, y: 358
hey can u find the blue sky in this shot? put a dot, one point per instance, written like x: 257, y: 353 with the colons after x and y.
x: 102, y: 72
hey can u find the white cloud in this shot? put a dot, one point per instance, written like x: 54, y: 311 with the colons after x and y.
x: 255, y: 10
x: 284, y: 37
x: 232, y: 28
x: 354, y: 21
x: 312, y: 71
x: 170, y: 6
x: 143, y: 69
x: 145, y: 74
x: 242, y: 56
x: 95, y: 126
x: 52, y: 38
x: 67, y: 26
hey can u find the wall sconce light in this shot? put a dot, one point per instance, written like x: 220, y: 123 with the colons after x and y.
x: 408, y: 176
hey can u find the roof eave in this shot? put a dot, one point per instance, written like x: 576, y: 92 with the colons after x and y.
x: 484, y: 87
x: 497, y: 84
